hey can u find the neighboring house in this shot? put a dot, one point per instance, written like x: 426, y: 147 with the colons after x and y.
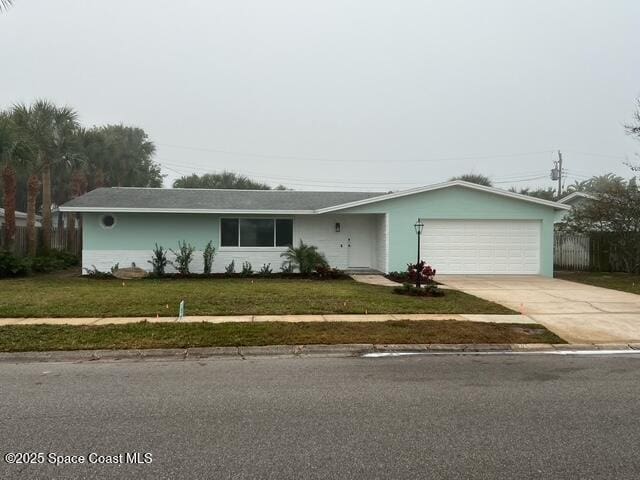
x: 21, y: 218
x: 573, y: 200
x: 468, y: 228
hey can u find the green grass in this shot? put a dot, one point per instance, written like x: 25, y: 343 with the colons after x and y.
x: 84, y: 297
x: 17, y: 338
x: 625, y: 282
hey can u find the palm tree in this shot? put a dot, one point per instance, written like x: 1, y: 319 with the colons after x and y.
x: 305, y: 257
x: 52, y: 130
x: 5, y: 4
x: 474, y: 178
x: 14, y: 149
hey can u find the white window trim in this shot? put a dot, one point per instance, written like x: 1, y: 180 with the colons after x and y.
x: 239, y: 248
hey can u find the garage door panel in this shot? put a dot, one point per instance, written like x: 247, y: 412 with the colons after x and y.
x: 482, y: 246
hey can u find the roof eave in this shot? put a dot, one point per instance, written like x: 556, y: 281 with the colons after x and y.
x: 439, y: 186
x: 182, y: 210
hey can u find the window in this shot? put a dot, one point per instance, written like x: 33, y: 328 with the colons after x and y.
x: 229, y: 233
x: 107, y: 221
x: 284, y: 232
x: 256, y: 232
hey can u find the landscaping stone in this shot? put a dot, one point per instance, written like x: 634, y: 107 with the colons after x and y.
x: 130, y: 273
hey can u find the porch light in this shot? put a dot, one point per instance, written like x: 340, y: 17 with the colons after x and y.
x: 337, y: 227
x: 418, y: 226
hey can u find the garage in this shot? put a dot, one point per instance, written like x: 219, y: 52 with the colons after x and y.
x: 482, y: 246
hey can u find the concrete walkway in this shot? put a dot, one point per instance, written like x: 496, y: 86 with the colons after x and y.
x: 489, y: 318
x: 375, y: 280
x: 576, y: 312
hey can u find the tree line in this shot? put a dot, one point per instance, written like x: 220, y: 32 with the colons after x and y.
x: 47, y: 158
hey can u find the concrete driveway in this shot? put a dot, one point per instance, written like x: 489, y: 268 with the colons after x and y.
x: 576, y: 312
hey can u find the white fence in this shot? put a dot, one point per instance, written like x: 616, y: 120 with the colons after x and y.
x: 572, y: 252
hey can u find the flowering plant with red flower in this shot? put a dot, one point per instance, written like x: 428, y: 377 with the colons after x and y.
x: 426, y: 272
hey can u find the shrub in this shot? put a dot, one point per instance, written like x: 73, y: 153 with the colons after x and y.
x: 12, y: 265
x: 305, y: 257
x: 247, y: 268
x: 208, y: 254
x: 400, y: 277
x: 52, y: 261
x: 69, y: 259
x: 46, y: 264
x: 429, y: 290
x: 231, y: 268
x: 426, y: 272
x: 184, y: 256
x: 266, y: 269
x: 287, y: 268
x: 93, y: 272
x: 326, y: 273
x: 159, y: 260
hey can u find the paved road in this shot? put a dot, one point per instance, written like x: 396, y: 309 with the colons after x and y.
x: 432, y: 417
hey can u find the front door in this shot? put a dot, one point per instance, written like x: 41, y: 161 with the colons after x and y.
x: 359, y: 238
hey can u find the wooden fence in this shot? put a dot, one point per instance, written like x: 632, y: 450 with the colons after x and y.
x: 597, y: 251
x: 60, y: 240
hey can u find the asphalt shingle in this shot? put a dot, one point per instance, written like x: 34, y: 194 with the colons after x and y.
x: 202, y: 199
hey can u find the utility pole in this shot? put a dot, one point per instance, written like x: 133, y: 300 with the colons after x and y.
x: 556, y: 173
x: 559, y: 173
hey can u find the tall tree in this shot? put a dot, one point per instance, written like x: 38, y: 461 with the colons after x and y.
x: 633, y: 129
x: 119, y: 156
x: 474, y: 178
x: 598, y: 184
x: 5, y: 4
x: 543, y: 193
x: 14, y: 151
x: 616, y: 213
x: 225, y: 179
x: 53, y: 130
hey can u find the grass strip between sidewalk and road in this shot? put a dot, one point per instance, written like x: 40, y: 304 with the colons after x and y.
x: 22, y: 338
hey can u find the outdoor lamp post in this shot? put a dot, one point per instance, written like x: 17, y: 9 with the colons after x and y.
x: 418, y: 227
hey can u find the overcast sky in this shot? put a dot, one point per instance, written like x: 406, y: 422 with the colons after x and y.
x: 342, y: 94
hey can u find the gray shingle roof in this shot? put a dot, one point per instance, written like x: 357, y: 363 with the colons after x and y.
x: 120, y: 198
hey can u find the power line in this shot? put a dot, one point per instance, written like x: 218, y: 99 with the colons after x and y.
x: 345, y: 160
x: 514, y: 176
x: 296, y: 182
x: 602, y: 155
x: 522, y: 179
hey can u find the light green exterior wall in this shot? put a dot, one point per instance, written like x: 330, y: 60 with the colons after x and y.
x: 456, y: 203
x: 141, y: 231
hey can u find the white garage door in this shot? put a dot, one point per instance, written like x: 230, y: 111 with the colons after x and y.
x: 482, y: 246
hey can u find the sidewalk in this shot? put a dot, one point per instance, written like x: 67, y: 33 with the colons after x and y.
x: 487, y: 318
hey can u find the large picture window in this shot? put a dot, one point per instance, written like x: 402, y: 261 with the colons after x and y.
x: 256, y: 232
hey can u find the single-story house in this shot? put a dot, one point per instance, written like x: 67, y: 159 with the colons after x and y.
x: 573, y: 200
x: 468, y: 228
x: 21, y: 218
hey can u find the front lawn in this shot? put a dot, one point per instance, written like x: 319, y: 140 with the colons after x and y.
x: 616, y: 281
x: 20, y: 338
x: 84, y: 297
